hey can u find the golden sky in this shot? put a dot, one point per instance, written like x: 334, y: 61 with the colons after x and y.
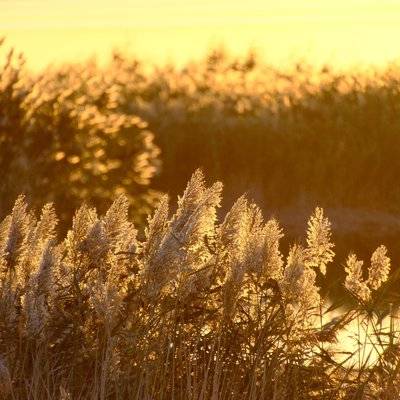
x: 343, y: 32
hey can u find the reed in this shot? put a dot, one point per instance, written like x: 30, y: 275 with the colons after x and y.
x: 197, y: 308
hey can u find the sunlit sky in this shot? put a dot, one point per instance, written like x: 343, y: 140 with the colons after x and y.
x: 340, y: 32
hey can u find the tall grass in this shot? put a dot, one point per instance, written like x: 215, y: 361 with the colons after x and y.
x: 197, y: 308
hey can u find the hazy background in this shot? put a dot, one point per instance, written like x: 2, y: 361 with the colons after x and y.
x: 341, y: 32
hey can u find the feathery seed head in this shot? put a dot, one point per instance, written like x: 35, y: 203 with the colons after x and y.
x: 298, y: 284
x: 44, y: 274
x: 15, y: 228
x: 354, y: 279
x: 115, y: 221
x: 319, y: 252
x: 378, y: 272
x: 156, y: 228
x: 273, y: 260
x: 181, y: 243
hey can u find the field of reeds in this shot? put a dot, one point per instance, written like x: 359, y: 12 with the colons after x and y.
x: 197, y: 308
x: 115, y: 291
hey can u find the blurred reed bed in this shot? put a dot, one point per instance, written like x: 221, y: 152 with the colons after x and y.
x: 63, y: 138
x: 290, y: 137
x: 199, y: 308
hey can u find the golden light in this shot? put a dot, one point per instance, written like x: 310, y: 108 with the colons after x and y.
x: 339, y: 32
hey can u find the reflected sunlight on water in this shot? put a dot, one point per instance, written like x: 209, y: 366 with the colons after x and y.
x: 364, y: 339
